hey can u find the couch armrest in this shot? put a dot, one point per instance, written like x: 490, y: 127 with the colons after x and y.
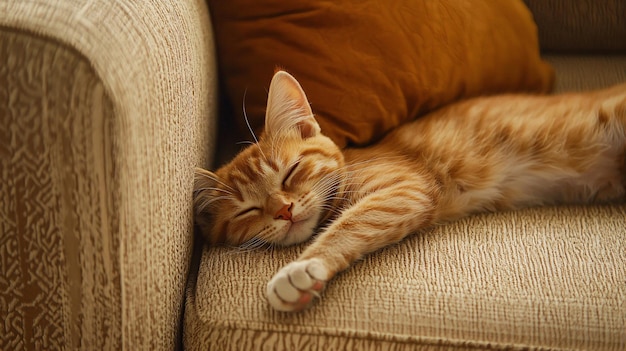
x: 105, y: 108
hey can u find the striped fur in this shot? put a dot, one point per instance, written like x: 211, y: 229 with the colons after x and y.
x: 486, y: 154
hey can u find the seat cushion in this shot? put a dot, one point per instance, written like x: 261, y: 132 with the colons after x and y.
x: 587, y: 72
x: 536, y: 278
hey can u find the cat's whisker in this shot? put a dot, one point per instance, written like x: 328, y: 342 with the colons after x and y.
x: 330, y: 194
x: 208, y: 201
x: 325, y: 182
x: 337, y: 198
x: 348, y: 193
x: 247, y: 120
x: 245, y: 116
x: 270, y: 247
x: 245, y: 142
x: 249, y: 246
x: 329, y: 183
x: 334, y: 212
x: 215, y: 179
x: 324, y: 192
x: 225, y: 191
x: 252, y: 244
x: 331, y: 209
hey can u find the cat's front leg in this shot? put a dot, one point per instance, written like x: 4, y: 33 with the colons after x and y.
x: 377, y: 220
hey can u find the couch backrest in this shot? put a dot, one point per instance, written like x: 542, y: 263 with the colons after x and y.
x: 580, y: 25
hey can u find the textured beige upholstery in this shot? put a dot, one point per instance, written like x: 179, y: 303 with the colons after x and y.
x: 539, y: 279
x: 105, y: 108
x: 576, y: 26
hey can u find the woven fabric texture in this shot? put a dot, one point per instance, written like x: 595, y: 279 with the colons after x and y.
x: 587, y: 72
x: 540, y: 278
x: 105, y: 108
x: 580, y: 25
x: 59, y: 245
x: 543, y: 278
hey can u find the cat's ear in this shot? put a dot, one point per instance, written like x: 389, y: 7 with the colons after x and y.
x: 288, y: 109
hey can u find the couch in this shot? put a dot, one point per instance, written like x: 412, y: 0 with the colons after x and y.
x: 106, y: 107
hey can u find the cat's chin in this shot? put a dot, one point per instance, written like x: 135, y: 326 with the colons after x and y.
x: 298, y: 232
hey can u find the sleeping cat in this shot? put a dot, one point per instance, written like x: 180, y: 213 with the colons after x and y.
x: 486, y: 154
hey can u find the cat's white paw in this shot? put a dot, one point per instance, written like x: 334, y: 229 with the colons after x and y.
x: 297, y: 284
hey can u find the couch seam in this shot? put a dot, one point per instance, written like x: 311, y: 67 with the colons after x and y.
x: 395, y: 338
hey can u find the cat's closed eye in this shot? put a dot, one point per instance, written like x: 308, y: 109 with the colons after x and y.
x: 286, y: 180
x: 247, y: 211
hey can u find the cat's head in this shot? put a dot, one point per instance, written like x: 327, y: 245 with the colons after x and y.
x: 278, y: 190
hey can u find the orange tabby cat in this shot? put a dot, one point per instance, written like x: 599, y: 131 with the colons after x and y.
x: 486, y: 154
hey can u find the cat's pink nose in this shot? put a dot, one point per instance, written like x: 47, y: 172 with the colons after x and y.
x: 284, y: 212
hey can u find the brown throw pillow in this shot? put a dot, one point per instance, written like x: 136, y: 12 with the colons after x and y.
x: 369, y: 65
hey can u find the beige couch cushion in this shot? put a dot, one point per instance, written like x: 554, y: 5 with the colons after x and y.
x: 537, y: 278
x: 586, y: 72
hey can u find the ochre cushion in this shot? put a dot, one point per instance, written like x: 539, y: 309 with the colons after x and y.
x: 369, y: 65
